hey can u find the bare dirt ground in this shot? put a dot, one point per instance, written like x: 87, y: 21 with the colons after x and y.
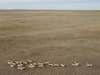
x: 57, y: 36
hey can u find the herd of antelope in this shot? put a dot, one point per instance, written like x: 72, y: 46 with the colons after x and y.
x: 22, y: 65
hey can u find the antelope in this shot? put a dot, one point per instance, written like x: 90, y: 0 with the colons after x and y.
x: 31, y: 65
x: 40, y: 65
x: 11, y: 63
x: 89, y: 65
x: 75, y: 64
x: 20, y: 67
x: 50, y: 65
x: 56, y: 65
x: 62, y: 65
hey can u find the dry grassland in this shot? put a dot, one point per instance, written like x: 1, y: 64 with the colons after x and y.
x: 57, y: 36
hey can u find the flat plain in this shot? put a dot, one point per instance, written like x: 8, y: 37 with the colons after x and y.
x: 55, y: 36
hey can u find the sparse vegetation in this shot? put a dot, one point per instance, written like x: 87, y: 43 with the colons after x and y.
x: 57, y: 36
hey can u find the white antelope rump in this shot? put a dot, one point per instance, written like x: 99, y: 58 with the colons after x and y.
x: 89, y: 65
x: 76, y: 64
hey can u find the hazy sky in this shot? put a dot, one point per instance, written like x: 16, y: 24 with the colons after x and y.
x: 50, y: 4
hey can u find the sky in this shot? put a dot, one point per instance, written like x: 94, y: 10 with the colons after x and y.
x: 51, y: 4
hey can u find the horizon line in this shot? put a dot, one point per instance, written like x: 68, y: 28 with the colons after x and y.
x: 45, y: 9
